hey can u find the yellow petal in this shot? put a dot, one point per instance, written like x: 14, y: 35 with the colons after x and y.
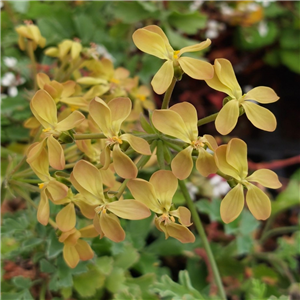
x: 88, y: 231
x: 258, y: 202
x: 73, y: 120
x: 159, y: 31
x: 138, y: 144
x: 195, y: 68
x: 111, y: 227
x: 259, y: 116
x: 96, y: 223
x: 262, y: 94
x: 188, y: 113
x: 182, y: 164
x: 205, y: 163
x: 44, y: 108
x: 69, y: 89
x: 144, y: 192
x: 222, y: 164
x: 120, y: 109
x: 211, y: 142
x: 227, y: 117
x: 42, y: 79
x: 56, y: 153
x: 197, y: 47
x: 101, y: 114
x: 43, y: 211
x: 84, y: 250
x: 163, y: 78
x: 52, y: 51
x: 232, y: 205
x: 123, y: 165
x: 75, y: 50
x: 226, y: 75
x: 86, y: 178
x: 70, y: 237
x: 165, y: 185
x: 56, y: 190
x: 66, y: 218
x: 64, y: 47
x: 183, y: 214
x: 180, y: 232
x: 150, y: 42
x: 21, y: 43
x: 236, y: 156
x: 71, y: 256
x: 170, y: 122
x: 266, y: 178
x: 129, y: 209
x: 87, y: 210
x: 91, y: 80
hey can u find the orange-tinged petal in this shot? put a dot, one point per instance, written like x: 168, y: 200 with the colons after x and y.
x: 163, y: 78
x: 44, y: 108
x: 35, y: 152
x: 84, y: 250
x: 170, y: 122
x: 222, y: 164
x: 129, y: 209
x: 138, y: 144
x: 211, y: 142
x: 69, y: 89
x: 105, y: 158
x: 87, y: 210
x: 120, y: 109
x: 161, y: 227
x: 195, y: 68
x: 226, y: 75
x: 55, y: 153
x: 180, y: 232
x: 182, y: 164
x: 56, y: 190
x: 188, y: 113
x: 111, y: 227
x: 165, y: 185
x: 42, y: 79
x: 73, y: 234
x: 197, y: 47
x: 123, y: 165
x: 262, y: 94
x: 259, y: 116
x: 232, y: 204
x: 43, y: 211
x: 88, y: 181
x: 108, y: 177
x: 227, y: 118
x: 266, y: 178
x: 71, y: 121
x: 66, y: 218
x: 236, y: 156
x: 101, y: 114
x: 96, y: 223
x: 205, y: 163
x: 150, y: 42
x: 71, y: 256
x: 50, y: 90
x: 183, y: 214
x: 144, y: 192
x: 88, y: 231
x: 258, y: 202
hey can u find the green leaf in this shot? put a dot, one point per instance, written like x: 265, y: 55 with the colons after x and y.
x: 127, y: 258
x: 291, y: 59
x: 105, y: 264
x: 144, y: 283
x: 248, y: 223
x: 22, y: 282
x: 130, y: 12
x: 188, y: 23
x: 212, y: 208
x: 85, y: 28
x: 20, y: 6
x: 244, y: 244
x: 32, y: 242
x: 54, y: 246
x: 64, y: 273
x: 46, y: 266
x: 289, y: 39
x: 115, y: 280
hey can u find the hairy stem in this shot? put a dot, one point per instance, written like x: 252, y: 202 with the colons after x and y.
x: 200, y: 229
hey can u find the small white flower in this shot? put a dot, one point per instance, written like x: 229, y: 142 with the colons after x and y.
x: 192, y: 189
x: 226, y: 10
x: 213, y: 29
x: 263, y: 28
x: 10, y: 81
x: 220, y: 186
x: 265, y: 3
x: 102, y: 51
x: 10, y: 62
x: 196, y: 5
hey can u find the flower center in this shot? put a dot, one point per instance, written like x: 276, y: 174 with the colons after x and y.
x: 197, y: 144
x: 114, y: 80
x: 176, y: 54
x: 141, y: 97
x: 47, y: 129
x: 41, y: 185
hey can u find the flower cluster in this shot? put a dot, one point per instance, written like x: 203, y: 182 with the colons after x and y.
x: 86, y: 121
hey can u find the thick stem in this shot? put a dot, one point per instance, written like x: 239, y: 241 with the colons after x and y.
x: 89, y: 136
x: 33, y: 63
x: 208, y: 119
x: 200, y: 229
x: 168, y: 94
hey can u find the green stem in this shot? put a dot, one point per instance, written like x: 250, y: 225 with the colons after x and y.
x: 89, y: 136
x: 207, y: 119
x: 29, y: 180
x: 168, y: 94
x: 275, y: 231
x: 200, y: 229
x: 160, y: 155
x: 33, y: 63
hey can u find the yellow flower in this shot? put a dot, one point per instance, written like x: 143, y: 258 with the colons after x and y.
x: 181, y: 121
x: 87, y: 179
x: 152, y: 40
x: 225, y: 81
x: 76, y: 249
x: 30, y: 32
x: 109, y: 117
x: 157, y: 194
x: 66, y: 47
x: 231, y: 159
x: 44, y: 109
